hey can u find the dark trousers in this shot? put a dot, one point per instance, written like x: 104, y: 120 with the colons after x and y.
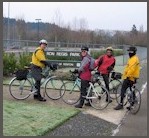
x: 126, y: 84
x: 84, y: 87
x: 106, y: 80
x: 36, y: 74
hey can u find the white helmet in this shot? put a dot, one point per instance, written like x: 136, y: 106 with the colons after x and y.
x: 109, y: 48
x: 43, y: 42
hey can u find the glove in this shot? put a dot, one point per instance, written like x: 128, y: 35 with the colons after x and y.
x: 46, y: 62
x: 97, y: 73
x: 53, y: 67
x: 75, y: 71
x: 110, y: 68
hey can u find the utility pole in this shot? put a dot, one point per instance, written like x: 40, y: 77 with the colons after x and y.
x: 38, y: 27
x: 8, y: 31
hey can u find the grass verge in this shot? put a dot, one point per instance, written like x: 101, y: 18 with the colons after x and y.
x: 24, y: 119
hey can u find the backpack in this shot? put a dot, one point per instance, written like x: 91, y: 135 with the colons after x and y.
x: 92, y: 63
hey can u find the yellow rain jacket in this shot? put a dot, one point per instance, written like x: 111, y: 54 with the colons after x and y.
x: 37, y: 56
x: 132, y: 69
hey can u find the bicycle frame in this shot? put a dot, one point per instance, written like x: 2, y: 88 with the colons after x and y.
x: 32, y: 81
x: 43, y: 80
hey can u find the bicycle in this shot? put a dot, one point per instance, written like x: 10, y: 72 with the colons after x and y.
x: 96, y: 94
x: 133, y: 98
x: 22, y: 89
x: 114, y: 83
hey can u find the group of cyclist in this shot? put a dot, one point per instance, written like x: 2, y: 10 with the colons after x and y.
x: 104, y: 64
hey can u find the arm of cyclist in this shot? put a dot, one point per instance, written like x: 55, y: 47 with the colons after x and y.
x: 100, y: 60
x: 49, y: 64
x: 84, y: 63
x: 110, y: 68
x: 129, y: 70
x: 40, y: 55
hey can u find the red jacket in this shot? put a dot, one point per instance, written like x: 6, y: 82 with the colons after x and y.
x: 105, y: 63
x: 84, y: 70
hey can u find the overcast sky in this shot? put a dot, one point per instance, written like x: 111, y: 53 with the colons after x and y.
x: 97, y: 15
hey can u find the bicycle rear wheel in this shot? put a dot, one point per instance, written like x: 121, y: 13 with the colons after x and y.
x: 136, y: 102
x: 100, y: 98
x: 52, y: 88
x: 113, y: 87
x: 70, y: 92
x: 20, y: 89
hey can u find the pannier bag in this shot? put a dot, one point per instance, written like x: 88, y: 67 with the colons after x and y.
x: 21, y: 74
x: 116, y: 75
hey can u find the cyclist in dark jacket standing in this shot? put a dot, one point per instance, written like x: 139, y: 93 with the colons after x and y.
x: 85, y: 75
x: 105, y: 65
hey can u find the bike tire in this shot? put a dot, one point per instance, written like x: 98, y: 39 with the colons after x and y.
x: 98, y: 100
x: 137, y: 103
x: 113, y: 85
x: 20, y: 89
x: 118, y: 95
x: 52, y: 88
x: 70, y: 92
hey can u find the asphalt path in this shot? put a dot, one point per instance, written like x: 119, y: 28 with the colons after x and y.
x: 136, y: 125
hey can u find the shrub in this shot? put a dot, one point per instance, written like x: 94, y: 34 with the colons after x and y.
x: 9, y: 63
x: 12, y: 62
x: 23, y: 60
x: 96, y: 53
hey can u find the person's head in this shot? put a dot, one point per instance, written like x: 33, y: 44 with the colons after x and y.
x: 43, y: 43
x: 109, y: 51
x: 132, y: 51
x: 84, y: 51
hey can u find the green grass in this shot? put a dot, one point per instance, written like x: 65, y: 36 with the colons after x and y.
x: 25, y: 119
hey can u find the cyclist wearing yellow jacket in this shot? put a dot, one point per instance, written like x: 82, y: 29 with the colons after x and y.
x: 38, y: 59
x: 131, y: 73
x: 132, y: 69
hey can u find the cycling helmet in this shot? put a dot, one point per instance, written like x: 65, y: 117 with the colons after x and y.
x: 109, y: 48
x: 43, y: 42
x: 85, y: 48
x: 132, y: 49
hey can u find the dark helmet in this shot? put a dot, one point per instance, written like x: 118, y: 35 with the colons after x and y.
x: 84, y: 48
x: 132, y: 49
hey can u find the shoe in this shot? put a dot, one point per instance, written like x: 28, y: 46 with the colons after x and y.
x: 110, y: 101
x: 119, y: 107
x: 88, y: 104
x: 42, y: 99
x: 78, y: 106
x: 35, y: 96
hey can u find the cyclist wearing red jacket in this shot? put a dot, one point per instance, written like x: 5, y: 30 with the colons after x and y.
x: 105, y: 64
x: 85, y: 75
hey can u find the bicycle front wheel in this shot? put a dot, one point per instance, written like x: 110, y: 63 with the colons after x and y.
x: 114, y: 87
x: 118, y: 95
x: 52, y: 88
x: 20, y: 89
x: 100, y: 98
x: 136, y: 102
x: 70, y: 92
